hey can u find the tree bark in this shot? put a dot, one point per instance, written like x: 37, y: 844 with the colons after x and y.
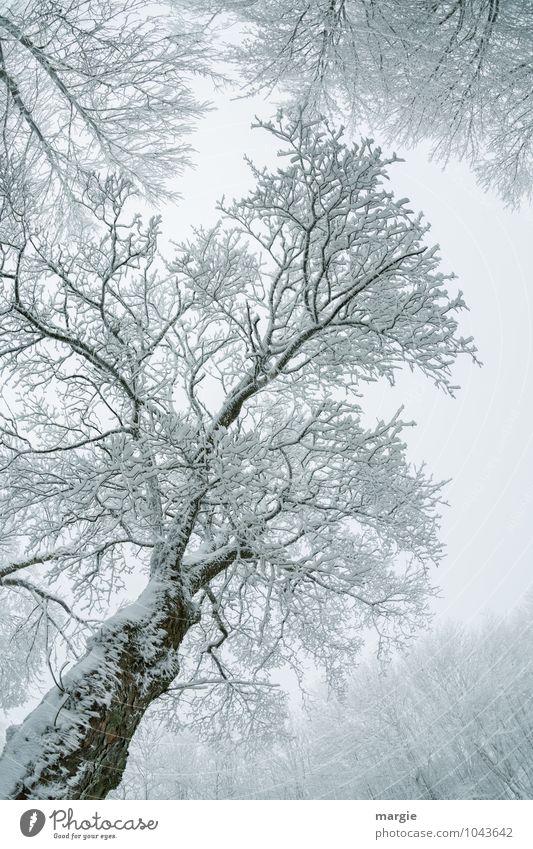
x: 74, y: 745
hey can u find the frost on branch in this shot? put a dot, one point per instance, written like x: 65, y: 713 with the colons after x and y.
x: 196, y: 425
x: 455, y: 72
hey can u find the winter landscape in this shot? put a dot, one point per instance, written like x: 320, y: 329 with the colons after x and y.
x: 265, y: 407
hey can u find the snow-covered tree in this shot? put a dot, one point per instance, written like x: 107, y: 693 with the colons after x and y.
x: 92, y: 84
x: 190, y: 432
x: 457, y: 72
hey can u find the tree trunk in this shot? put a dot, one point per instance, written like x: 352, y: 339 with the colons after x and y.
x: 74, y: 745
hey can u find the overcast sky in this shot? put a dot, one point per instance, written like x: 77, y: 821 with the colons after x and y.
x: 482, y: 439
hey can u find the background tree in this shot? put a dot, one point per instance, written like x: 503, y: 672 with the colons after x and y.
x: 450, y: 720
x: 456, y: 72
x: 193, y: 428
x: 92, y: 85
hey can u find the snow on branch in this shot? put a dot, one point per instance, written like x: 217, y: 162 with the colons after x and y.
x: 195, y: 425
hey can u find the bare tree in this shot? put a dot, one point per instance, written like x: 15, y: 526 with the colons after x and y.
x: 457, y: 72
x: 194, y: 427
x: 89, y: 85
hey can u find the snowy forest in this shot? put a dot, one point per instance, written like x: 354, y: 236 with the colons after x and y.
x: 218, y: 553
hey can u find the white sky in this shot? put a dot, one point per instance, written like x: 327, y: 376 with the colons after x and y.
x: 483, y: 439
